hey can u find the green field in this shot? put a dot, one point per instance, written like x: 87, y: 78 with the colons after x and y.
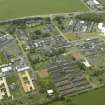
x: 20, y: 8
x: 103, y: 1
x: 95, y: 97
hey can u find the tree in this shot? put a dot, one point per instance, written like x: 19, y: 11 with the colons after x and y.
x: 90, y: 17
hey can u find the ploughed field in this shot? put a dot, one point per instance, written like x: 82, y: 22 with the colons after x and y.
x: 20, y: 8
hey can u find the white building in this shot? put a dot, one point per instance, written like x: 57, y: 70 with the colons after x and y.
x: 101, y: 28
x: 86, y: 63
x: 50, y: 92
x: 23, y: 68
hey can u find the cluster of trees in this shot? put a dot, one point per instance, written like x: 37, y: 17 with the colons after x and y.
x: 90, y: 17
x: 62, y: 100
x: 41, y: 56
x: 60, y: 21
x: 97, y: 73
x: 38, y: 35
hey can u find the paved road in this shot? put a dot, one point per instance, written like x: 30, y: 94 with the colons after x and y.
x: 23, y: 52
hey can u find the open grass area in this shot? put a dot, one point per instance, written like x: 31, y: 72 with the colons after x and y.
x: 102, y: 1
x: 3, y: 60
x: 20, y: 8
x: 95, y: 97
x: 72, y: 36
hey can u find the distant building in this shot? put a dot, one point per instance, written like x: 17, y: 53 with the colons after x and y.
x: 86, y: 63
x: 101, y: 28
x: 6, y: 69
x: 95, y: 4
x: 50, y: 92
x: 22, y: 68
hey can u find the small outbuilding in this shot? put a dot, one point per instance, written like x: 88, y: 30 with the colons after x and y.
x: 50, y: 92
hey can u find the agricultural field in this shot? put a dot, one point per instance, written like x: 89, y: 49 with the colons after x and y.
x: 20, y: 8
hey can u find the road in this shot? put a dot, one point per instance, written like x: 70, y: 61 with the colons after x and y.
x: 23, y: 52
x: 48, y: 15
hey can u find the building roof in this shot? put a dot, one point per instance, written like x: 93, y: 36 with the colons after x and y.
x: 50, y: 92
x: 6, y: 69
x: 96, y: 2
x: 86, y: 63
x: 101, y: 28
x: 23, y: 68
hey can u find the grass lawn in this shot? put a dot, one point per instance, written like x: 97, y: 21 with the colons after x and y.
x: 103, y: 1
x: 3, y: 60
x: 95, y: 97
x: 20, y: 8
x: 72, y: 36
